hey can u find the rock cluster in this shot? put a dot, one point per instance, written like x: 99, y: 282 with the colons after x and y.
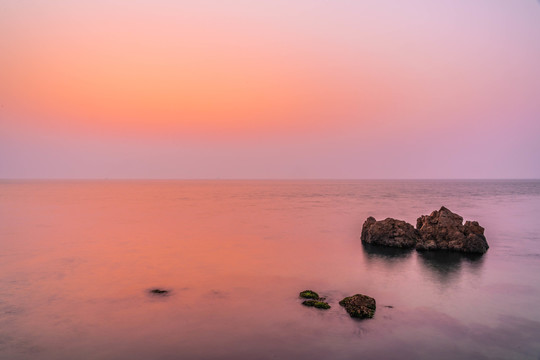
x: 441, y: 230
x: 314, y: 300
x: 358, y: 306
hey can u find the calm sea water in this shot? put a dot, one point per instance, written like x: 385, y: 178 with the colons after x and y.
x: 77, y: 259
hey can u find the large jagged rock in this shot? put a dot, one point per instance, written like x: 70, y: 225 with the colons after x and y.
x: 444, y: 230
x: 389, y: 232
x: 441, y: 230
x: 359, y: 306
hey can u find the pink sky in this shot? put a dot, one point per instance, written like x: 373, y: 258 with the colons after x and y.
x: 270, y: 89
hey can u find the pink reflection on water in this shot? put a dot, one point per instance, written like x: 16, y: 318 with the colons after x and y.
x: 79, y: 258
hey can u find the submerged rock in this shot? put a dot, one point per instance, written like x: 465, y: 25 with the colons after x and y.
x: 159, y: 292
x: 389, y: 232
x: 317, y: 304
x: 444, y: 230
x: 309, y: 294
x: 359, y: 306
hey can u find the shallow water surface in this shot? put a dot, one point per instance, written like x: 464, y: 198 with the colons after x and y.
x: 78, y: 258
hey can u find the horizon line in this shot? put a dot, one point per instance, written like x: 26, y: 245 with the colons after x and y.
x: 254, y: 179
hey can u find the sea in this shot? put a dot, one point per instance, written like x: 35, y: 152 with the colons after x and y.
x: 78, y: 259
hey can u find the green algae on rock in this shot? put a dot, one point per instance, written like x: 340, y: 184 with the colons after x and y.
x: 309, y: 294
x: 317, y: 304
x: 359, y: 306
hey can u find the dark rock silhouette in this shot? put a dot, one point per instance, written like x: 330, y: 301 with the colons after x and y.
x: 444, y: 230
x: 389, y: 232
x: 159, y: 292
x: 359, y: 306
x: 441, y: 230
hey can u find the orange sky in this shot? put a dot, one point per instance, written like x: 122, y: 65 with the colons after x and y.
x: 161, y: 71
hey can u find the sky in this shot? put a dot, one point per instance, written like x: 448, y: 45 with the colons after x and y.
x: 270, y: 89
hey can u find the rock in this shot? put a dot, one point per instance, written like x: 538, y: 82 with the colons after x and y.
x: 359, y: 306
x: 389, y: 232
x: 159, y: 292
x: 318, y: 304
x: 441, y: 230
x: 444, y: 230
x: 309, y: 294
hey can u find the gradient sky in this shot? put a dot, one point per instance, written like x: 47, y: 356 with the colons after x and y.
x: 270, y: 89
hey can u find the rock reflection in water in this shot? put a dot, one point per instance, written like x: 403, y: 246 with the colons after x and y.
x: 392, y: 254
x: 446, y: 266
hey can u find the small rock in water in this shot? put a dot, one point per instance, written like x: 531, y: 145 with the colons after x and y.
x: 359, y: 306
x: 159, y: 292
x: 309, y: 294
x: 317, y: 304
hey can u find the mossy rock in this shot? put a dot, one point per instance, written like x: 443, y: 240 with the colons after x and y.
x: 359, y: 306
x: 318, y: 304
x: 309, y: 294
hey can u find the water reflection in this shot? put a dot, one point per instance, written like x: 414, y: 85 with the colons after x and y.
x: 446, y: 266
x: 390, y: 254
x: 235, y: 255
x: 507, y: 337
x: 442, y: 266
